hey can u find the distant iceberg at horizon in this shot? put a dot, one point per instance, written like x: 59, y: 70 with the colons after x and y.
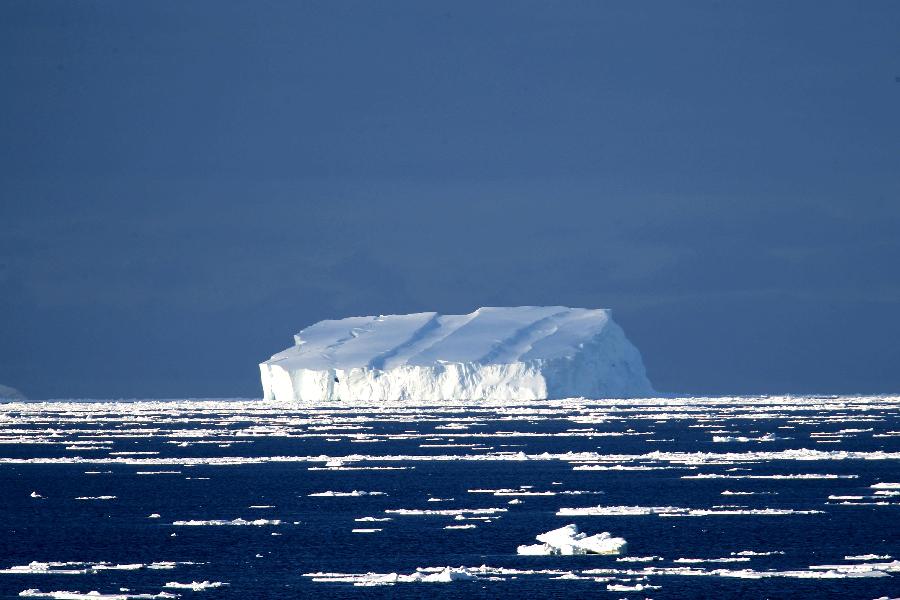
x: 11, y: 393
x: 492, y: 353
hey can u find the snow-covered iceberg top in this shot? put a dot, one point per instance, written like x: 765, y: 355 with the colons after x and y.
x: 567, y: 541
x: 493, y: 353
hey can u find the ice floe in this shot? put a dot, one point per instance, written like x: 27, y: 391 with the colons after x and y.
x: 568, y: 540
x: 195, y: 586
x: 223, y: 522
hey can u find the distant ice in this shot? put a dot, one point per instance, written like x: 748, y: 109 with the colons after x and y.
x: 11, y: 394
x: 195, y: 586
x: 233, y: 522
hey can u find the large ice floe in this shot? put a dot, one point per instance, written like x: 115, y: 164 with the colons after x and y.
x: 568, y: 540
x: 493, y: 353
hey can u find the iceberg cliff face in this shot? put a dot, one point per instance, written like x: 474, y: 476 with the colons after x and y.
x: 518, y: 353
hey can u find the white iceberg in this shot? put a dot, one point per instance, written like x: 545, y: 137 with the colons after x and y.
x: 494, y: 354
x: 569, y: 540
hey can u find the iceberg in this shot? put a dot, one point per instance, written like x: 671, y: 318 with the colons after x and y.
x: 491, y: 354
x: 11, y: 394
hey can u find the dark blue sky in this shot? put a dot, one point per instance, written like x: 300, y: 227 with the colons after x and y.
x: 186, y: 184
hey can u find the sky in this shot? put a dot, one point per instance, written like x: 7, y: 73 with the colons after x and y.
x: 184, y: 185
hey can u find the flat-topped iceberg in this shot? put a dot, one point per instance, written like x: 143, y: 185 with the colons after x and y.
x: 493, y: 353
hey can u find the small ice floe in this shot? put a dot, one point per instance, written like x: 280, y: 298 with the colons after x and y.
x: 769, y: 437
x: 568, y: 540
x: 195, y: 586
x: 96, y: 498
x: 353, y: 494
x: 81, y: 568
x: 223, y: 522
x: 372, y: 519
x: 157, y: 473
x: 675, y: 511
x: 467, y: 526
x: 433, y: 499
x: 154, y: 516
x: 450, y: 512
x: 92, y: 595
x: 637, y: 587
x: 422, y: 575
x: 731, y: 559
x: 260, y: 506
x: 755, y: 553
x: 869, y: 557
x: 515, y: 501
x: 776, y: 477
x: 364, y: 530
x: 617, y: 511
x: 638, y: 559
x: 36, y: 495
x: 885, y: 486
x: 738, y: 493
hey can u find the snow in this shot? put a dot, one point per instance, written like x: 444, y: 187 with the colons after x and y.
x: 493, y: 353
x: 568, y: 540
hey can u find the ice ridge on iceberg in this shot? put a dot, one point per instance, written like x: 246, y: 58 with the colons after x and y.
x: 493, y: 353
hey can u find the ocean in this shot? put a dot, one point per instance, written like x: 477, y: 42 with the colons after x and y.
x: 760, y: 497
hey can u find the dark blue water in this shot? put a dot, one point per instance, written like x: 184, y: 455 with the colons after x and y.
x: 315, y: 534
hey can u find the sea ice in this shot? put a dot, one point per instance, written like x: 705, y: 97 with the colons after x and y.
x: 568, y: 540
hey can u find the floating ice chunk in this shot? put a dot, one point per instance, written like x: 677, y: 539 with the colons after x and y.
x: 617, y: 511
x: 36, y: 495
x: 195, y: 586
x: 869, y: 557
x: 222, y: 522
x: 731, y: 559
x: 885, y: 486
x: 467, y: 526
x: 93, y: 595
x: 568, y: 540
x: 154, y: 516
x: 96, y: 498
x: 458, y: 512
x: 365, y: 530
x: 769, y: 437
x: 353, y: 494
x: 638, y: 587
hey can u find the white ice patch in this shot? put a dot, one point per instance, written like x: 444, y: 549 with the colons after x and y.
x: 222, y: 522
x: 92, y: 595
x: 353, y: 494
x: 568, y: 540
x: 195, y: 586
